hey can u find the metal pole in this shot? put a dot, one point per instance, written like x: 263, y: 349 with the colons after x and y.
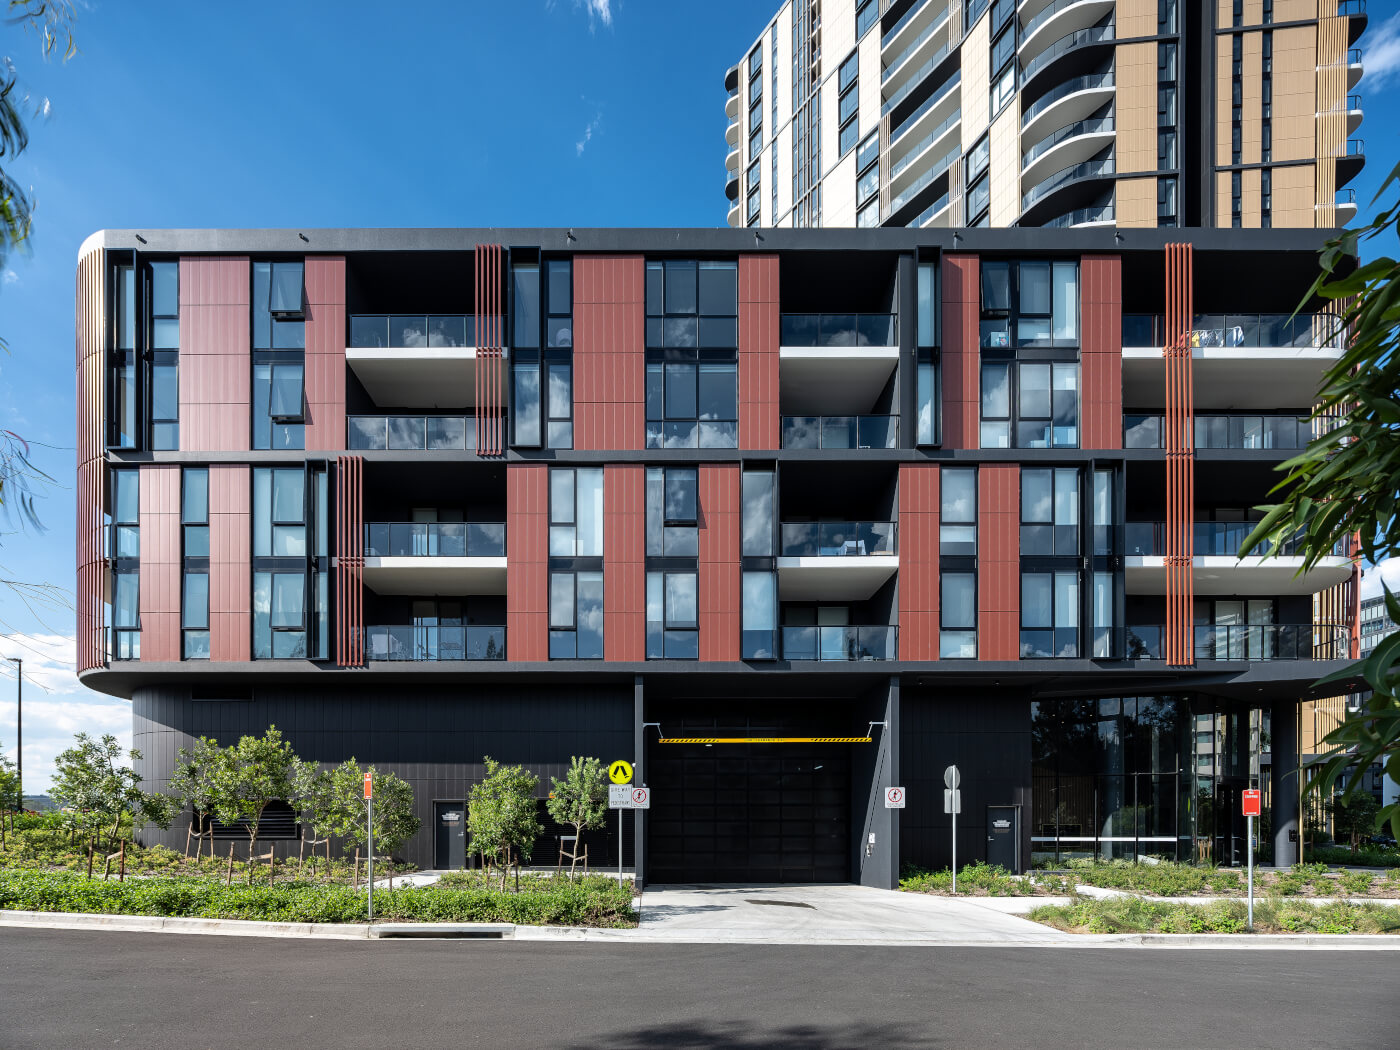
x: 619, y: 847
x: 370, y: 829
x: 18, y: 661
x: 1249, y: 831
x: 956, y: 807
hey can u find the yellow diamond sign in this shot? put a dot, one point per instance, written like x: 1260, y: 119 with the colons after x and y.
x: 620, y: 772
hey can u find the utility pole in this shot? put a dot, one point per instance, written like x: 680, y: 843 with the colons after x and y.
x: 18, y: 661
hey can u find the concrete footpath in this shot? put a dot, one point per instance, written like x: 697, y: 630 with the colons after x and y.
x: 769, y: 915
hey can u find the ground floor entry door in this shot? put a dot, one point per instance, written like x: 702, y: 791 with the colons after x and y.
x: 750, y: 813
x: 450, y: 850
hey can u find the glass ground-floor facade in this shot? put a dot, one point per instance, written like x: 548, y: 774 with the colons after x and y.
x: 1143, y: 777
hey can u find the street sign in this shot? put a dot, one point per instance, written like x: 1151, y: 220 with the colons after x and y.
x: 620, y: 772
x: 619, y: 796
x: 952, y: 779
x: 1251, y: 802
x: 894, y: 798
x: 369, y: 785
x: 641, y: 798
x: 952, y: 800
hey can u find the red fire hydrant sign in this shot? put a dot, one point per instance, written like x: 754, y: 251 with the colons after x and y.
x: 1251, y: 802
x: 369, y: 786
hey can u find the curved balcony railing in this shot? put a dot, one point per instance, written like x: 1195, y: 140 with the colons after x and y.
x: 936, y: 169
x: 1343, y: 198
x: 1092, y: 35
x: 899, y: 59
x: 1044, y: 15
x: 823, y: 539
x: 1262, y: 641
x: 924, y: 143
x: 411, y: 331
x: 843, y: 643
x: 1353, y: 56
x: 1356, y: 147
x: 1085, y: 170
x: 411, y: 642
x: 809, y: 432
x: 917, y: 77
x: 1318, y: 331
x: 944, y: 90
x: 1080, y: 217
x: 1088, y: 82
x: 1211, y: 539
x: 1091, y: 126
x: 838, y: 330
x: 1351, y: 7
x: 411, y: 433
x: 1229, y: 431
x: 928, y: 213
x: 439, y: 539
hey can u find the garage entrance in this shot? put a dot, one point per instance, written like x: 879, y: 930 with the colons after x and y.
x: 750, y: 813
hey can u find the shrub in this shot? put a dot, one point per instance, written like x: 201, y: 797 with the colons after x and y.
x: 977, y: 878
x: 1135, y: 915
x: 1355, y: 883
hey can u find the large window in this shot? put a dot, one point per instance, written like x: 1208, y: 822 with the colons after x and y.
x: 124, y: 550
x: 926, y: 367
x: 194, y: 606
x: 1050, y: 551
x: 1049, y: 614
x: 1030, y: 404
x: 673, y: 618
x: 848, y: 103
x: 760, y: 616
x: 291, y: 605
x: 542, y: 380
x: 692, y: 354
x: 1050, y: 512
x: 143, y: 388
x: 672, y: 512
x: 1030, y: 304
x: 575, y: 615
x: 576, y: 513
x: 957, y: 563
x: 279, y: 355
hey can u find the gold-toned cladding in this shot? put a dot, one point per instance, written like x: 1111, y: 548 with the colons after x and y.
x: 766, y: 740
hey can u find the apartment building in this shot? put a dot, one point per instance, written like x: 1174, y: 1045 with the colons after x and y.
x: 786, y: 523
x: 1060, y: 113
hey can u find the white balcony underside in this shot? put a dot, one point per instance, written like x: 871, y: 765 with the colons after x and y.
x: 1254, y: 378
x: 834, y: 380
x: 1217, y: 575
x: 422, y: 377
x: 836, y: 578
x: 435, y: 575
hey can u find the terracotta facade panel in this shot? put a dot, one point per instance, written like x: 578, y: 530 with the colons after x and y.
x: 215, y: 363
x: 1101, y: 352
x: 624, y: 562
x: 759, y: 419
x: 527, y: 565
x: 919, y: 513
x: 998, y: 562
x: 161, y: 565
x: 609, y: 352
x: 720, y: 602
x: 325, y: 352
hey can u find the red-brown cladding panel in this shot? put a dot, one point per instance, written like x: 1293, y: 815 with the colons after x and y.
x: 918, y: 561
x: 160, y: 563
x: 1101, y: 352
x: 609, y: 352
x: 91, y: 449
x: 759, y: 420
x: 998, y: 562
x: 325, y: 352
x: 720, y: 603
x: 527, y: 565
x: 961, y: 356
x: 230, y: 565
x: 215, y: 368
x: 624, y: 562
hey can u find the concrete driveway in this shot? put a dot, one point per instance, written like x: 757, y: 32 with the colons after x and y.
x: 843, y: 914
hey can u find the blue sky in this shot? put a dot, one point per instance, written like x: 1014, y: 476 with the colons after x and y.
x: 340, y: 113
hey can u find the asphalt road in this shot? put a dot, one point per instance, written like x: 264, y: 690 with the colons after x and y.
x: 79, y: 989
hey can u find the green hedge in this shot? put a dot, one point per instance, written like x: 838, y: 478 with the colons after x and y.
x: 556, y: 904
x: 1136, y: 915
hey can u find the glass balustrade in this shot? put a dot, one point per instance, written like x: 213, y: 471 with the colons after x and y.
x: 811, y: 539
x: 413, y: 642
x: 411, y: 331
x: 1209, y: 539
x: 839, y: 330
x: 1267, y: 641
x: 1319, y: 330
x: 443, y: 539
x: 1229, y: 431
x: 840, y: 432
x: 840, y: 643
x: 411, y: 433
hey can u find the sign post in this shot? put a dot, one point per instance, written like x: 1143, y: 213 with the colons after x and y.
x: 1251, y: 806
x: 952, y: 802
x: 620, y: 773
x: 369, y: 829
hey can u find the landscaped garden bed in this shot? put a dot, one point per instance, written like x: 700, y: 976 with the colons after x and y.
x: 1274, y: 915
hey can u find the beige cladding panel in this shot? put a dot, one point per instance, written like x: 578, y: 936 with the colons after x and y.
x: 838, y: 33
x: 1222, y: 199
x: 1250, y: 189
x: 1006, y: 167
x: 1295, y: 93
x: 976, y: 89
x: 1252, y: 12
x: 1136, y: 18
x: 1293, y: 195
x: 1136, y: 106
x: 1297, y: 10
x: 1136, y: 204
x: 1224, y: 83
x: 1224, y: 13
x: 1251, y: 98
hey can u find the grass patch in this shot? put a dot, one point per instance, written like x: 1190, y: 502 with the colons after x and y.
x: 983, y: 880
x: 1139, y: 915
x: 596, y: 901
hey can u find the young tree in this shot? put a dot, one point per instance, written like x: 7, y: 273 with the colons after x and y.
x: 252, y: 774
x: 194, y: 783
x: 313, y: 797
x: 89, y: 778
x: 501, y: 815
x: 1353, y: 817
x: 580, y: 800
x: 1347, y: 483
x: 394, y: 819
x: 9, y: 785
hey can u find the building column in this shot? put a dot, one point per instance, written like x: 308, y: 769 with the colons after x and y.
x: 639, y: 746
x: 876, y: 767
x: 1283, y: 750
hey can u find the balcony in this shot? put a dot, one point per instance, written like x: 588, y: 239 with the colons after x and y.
x: 1055, y: 20
x: 1073, y: 100
x: 1215, y: 568
x: 835, y: 560
x: 1103, y: 168
x: 850, y: 432
x: 1344, y: 203
x: 438, y: 644
x: 836, y: 363
x: 1265, y: 641
x: 917, y: 59
x: 1233, y: 431
x: 1239, y: 361
x: 1098, y: 215
x: 936, y: 214
x: 411, y: 433
x: 1355, y: 67
x: 919, y: 183
x: 731, y: 159
x: 842, y: 644
x: 415, y: 359
x: 1080, y: 38
x: 422, y: 558
x: 1071, y: 145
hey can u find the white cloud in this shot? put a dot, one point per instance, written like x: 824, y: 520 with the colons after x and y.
x: 600, y: 10
x: 56, y: 705
x: 592, y: 126
x: 11, y: 277
x: 1388, y: 570
x: 1382, y: 55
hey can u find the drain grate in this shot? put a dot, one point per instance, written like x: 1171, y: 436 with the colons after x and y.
x: 783, y: 904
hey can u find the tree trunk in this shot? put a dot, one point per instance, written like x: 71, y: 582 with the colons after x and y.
x: 228, y: 879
